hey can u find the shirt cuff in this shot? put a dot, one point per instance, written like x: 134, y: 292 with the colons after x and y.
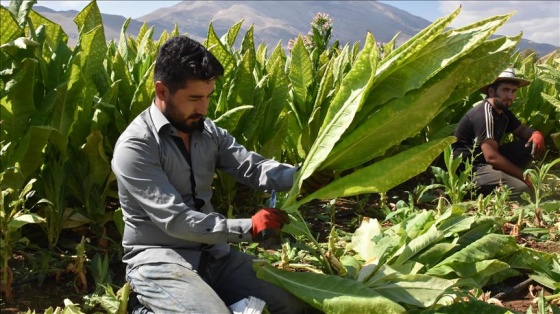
x: 239, y: 230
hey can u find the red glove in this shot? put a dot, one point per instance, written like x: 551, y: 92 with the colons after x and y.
x: 538, y: 143
x: 268, y: 218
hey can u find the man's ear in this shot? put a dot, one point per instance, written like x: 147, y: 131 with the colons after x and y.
x: 162, y: 92
x: 491, y: 91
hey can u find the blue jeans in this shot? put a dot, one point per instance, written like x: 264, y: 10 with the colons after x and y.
x: 172, y: 288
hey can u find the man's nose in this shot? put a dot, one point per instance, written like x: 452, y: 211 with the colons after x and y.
x: 202, y: 106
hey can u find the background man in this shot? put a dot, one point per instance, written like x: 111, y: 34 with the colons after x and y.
x: 176, y: 246
x: 482, y: 129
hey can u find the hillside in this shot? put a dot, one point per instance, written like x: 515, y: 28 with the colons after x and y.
x: 273, y: 21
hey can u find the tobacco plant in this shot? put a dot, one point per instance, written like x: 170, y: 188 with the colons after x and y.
x: 545, y: 184
x: 14, y: 214
x: 458, y: 182
x: 360, y: 128
x: 374, y: 117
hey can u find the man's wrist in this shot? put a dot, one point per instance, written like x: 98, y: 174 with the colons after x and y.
x: 527, y: 133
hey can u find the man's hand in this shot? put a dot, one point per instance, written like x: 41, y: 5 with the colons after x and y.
x: 538, y: 143
x: 268, y: 219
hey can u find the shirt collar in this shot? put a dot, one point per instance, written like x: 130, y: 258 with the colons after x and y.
x: 158, y: 118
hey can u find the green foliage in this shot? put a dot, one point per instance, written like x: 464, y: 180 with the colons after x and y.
x: 14, y: 214
x: 545, y: 184
x: 457, y: 182
x: 375, y: 116
x: 420, y: 260
x: 538, y: 104
x: 331, y: 294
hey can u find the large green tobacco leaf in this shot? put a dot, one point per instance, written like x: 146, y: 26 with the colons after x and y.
x: 230, y: 119
x: 222, y: 53
x: 89, y: 18
x: 415, y: 289
x: 126, y: 85
x: 25, y: 156
x: 271, y: 123
x: 479, y: 260
x: 301, y: 76
x: 385, y: 174
x: 55, y: 35
x: 232, y: 33
x: 242, y: 91
x: 143, y: 95
x: 435, y: 56
x: 92, y: 49
x: 123, y: 47
x: 18, y: 106
x: 363, y: 237
x: 10, y: 27
x: 55, y: 58
x: 370, y: 136
x: 331, y: 294
x: 346, y: 103
x: 489, y: 59
x: 541, y: 263
x: 413, y: 46
x: 20, y: 10
x: 397, y: 120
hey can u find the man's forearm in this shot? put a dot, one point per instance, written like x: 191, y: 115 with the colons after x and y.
x: 501, y: 163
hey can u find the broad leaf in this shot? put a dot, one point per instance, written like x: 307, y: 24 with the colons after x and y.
x: 344, y: 106
x: 10, y: 27
x: 21, y: 220
x: 331, y: 294
x: 377, y: 178
x: 416, y: 290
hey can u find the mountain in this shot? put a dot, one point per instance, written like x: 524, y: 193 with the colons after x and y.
x: 273, y: 21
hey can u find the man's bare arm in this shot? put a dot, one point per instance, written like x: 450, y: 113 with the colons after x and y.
x: 493, y: 157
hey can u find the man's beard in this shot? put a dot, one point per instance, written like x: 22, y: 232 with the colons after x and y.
x: 182, y: 125
x: 500, y: 105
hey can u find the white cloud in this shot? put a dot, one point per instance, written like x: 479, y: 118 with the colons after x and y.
x: 538, y: 20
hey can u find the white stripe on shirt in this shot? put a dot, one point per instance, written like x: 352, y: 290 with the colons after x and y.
x: 489, y: 120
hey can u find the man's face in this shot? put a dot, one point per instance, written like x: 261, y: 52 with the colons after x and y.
x: 185, y: 109
x: 503, y: 96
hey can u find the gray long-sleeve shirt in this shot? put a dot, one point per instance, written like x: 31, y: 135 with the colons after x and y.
x: 156, y: 194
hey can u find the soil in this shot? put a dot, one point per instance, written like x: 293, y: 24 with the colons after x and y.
x: 62, y: 284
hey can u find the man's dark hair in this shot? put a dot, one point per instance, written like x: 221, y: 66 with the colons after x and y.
x: 181, y: 59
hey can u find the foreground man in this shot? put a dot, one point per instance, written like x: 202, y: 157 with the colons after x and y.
x: 176, y: 246
x: 482, y: 129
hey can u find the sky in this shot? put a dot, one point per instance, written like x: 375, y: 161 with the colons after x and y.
x: 538, y: 20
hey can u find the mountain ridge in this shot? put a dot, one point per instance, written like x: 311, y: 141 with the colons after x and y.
x: 273, y: 22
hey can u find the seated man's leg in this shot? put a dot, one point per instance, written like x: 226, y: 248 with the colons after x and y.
x: 517, y: 153
x: 172, y: 288
x: 487, y: 179
x: 234, y: 279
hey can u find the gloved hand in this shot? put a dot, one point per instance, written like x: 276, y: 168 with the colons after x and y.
x: 538, y: 143
x: 268, y: 219
x: 317, y: 181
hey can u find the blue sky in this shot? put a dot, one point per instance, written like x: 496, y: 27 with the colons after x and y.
x: 538, y: 20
